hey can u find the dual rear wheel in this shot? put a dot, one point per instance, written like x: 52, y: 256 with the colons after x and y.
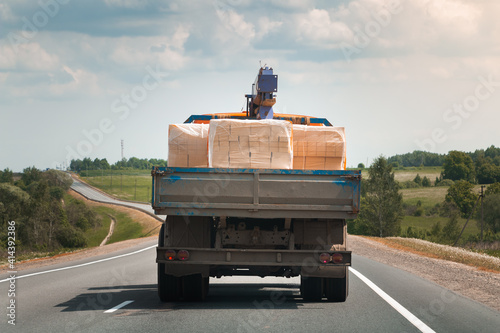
x: 313, y: 289
x: 188, y: 288
x: 172, y: 288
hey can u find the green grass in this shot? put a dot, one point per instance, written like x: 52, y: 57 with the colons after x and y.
x: 425, y: 223
x: 96, y: 236
x: 125, y: 228
x: 410, y: 173
x: 428, y: 196
x: 132, y: 185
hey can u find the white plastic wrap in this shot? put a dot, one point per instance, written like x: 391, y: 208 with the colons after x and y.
x: 319, y: 147
x: 187, y: 145
x: 256, y: 144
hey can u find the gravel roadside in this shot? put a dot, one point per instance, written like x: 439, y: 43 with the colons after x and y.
x: 481, y: 286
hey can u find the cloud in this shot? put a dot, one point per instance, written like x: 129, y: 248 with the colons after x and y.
x: 80, y: 79
x: 316, y: 27
x: 6, y: 13
x: 167, y: 51
x: 235, y: 24
x: 266, y: 26
x: 30, y: 57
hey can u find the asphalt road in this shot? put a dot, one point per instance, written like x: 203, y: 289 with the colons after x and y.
x: 81, y: 296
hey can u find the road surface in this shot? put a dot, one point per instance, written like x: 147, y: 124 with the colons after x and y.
x: 117, y: 292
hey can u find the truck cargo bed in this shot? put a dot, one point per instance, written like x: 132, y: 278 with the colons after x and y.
x: 256, y: 193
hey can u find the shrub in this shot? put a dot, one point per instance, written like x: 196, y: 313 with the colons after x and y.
x: 445, y: 182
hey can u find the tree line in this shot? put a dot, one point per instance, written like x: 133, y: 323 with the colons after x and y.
x: 102, y: 164
x: 382, y: 206
x: 481, y: 166
x: 45, y: 219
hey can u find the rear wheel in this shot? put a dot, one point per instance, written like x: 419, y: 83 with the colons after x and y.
x: 168, y: 285
x: 194, y: 287
x: 311, y: 288
x: 336, y: 290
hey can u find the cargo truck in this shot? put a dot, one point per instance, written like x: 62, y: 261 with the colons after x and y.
x: 228, y: 221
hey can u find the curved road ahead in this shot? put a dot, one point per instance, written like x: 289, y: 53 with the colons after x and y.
x: 117, y: 292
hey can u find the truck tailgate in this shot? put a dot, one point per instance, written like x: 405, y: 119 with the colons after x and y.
x: 257, y: 193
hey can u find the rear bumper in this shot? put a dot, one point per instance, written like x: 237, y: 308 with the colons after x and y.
x: 306, y: 259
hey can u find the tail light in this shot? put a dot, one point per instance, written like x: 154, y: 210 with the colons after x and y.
x: 183, y: 255
x: 324, y: 258
x: 170, y: 254
x: 337, y: 258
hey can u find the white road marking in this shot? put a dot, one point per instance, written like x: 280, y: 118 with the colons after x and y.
x: 392, y: 302
x: 119, y: 306
x: 81, y: 265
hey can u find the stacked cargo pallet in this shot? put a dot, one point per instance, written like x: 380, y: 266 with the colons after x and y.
x: 318, y: 147
x: 256, y: 144
x: 187, y: 145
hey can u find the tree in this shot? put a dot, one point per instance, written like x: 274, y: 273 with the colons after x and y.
x: 461, y: 194
x: 361, y: 166
x: 451, y: 230
x: 493, y: 189
x: 418, y: 180
x: 488, y: 173
x: 426, y: 182
x: 458, y: 165
x: 491, y: 211
x: 6, y: 176
x: 382, y: 207
x: 31, y: 175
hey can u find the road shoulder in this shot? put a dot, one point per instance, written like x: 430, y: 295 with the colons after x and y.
x: 481, y: 286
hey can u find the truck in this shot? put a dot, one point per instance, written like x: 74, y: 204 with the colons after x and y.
x: 254, y: 221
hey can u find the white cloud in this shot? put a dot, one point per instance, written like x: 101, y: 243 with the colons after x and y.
x: 29, y: 57
x: 266, y: 26
x: 168, y: 52
x: 455, y: 17
x: 81, y: 80
x: 316, y: 27
x: 235, y: 23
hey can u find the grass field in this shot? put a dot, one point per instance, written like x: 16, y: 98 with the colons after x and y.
x: 425, y: 223
x: 402, y: 175
x: 428, y: 196
x: 132, y: 185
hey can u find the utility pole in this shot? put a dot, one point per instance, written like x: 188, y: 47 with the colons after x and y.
x: 122, y: 149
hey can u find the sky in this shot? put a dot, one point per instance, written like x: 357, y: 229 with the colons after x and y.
x: 78, y: 77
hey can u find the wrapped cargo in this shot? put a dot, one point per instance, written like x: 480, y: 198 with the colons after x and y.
x: 187, y: 145
x: 256, y: 144
x: 319, y: 147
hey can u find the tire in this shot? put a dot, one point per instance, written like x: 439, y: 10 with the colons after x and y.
x: 311, y: 288
x: 336, y: 290
x: 168, y: 285
x: 194, y: 287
